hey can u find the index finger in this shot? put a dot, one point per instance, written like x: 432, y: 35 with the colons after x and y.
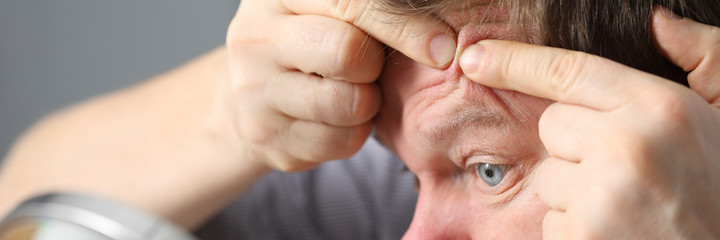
x: 422, y: 38
x: 562, y: 75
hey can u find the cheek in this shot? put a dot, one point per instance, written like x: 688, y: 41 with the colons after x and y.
x: 442, y: 211
x: 519, y: 219
x: 447, y: 211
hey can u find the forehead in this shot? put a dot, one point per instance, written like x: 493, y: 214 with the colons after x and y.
x: 442, y: 106
x: 452, y: 11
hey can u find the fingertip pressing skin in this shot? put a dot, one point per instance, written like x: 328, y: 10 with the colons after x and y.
x: 486, y: 62
x: 552, y: 73
x: 422, y: 38
x: 471, y: 58
x: 442, y: 49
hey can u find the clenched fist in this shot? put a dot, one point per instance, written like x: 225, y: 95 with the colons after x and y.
x: 302, y: 74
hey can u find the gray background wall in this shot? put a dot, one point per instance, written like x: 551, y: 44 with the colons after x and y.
x: 56, y: 52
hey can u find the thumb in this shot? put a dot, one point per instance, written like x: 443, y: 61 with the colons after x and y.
x: 694, y: 47
x: 422, y: 38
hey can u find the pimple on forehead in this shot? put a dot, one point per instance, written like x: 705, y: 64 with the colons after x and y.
x: 486, y: 20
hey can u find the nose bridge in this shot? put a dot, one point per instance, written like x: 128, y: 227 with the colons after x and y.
x: 439, y: 215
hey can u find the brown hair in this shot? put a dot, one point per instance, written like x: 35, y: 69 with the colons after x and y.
x: 616, y: 29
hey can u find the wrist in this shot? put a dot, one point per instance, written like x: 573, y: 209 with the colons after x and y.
x: 223, y: 125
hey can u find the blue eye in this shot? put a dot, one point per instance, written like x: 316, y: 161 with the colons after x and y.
x: 492, y: 174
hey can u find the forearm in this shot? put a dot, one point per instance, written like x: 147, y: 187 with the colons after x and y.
x: 167, y: 146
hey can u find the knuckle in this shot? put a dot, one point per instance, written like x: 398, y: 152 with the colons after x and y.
x: 315, y: 104
x: 313, y: 156
x: 350, y: 104
x: 357, y: 137
x: 706, y: 67
x: 340, y: 8
x: 508, y: 68
x: 667, y: 109
x: 632, y: 157
x: 301, y: 157
x: 322, y: 142
x: 257, y: 130
x: 335, y: 105
x: 402, y: 33
x: 290, y: 164
x: 351, y: 52
x: 341, y: 143
x: 232, y: 35
x: 363, y: 103
x: 351, y: 10
x: 278, y: 159
x: 285, y: 164
x: 548, y: 120
x: 594, y: 219
x: 244, y: 37
x: 634, y: 146
x: 672, y: 112
x: 703, y: 69
x: 566, y: 71
x: 324, y: 149
x: 236, y: 32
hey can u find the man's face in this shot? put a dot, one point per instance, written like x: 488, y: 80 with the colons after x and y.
x: 472, y: 148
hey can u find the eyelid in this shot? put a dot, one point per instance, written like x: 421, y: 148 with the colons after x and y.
x: 479, y: 159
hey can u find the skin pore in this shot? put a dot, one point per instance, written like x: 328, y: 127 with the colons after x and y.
x: 445, y: 127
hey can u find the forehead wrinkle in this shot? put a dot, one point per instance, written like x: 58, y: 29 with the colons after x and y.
x: 466, y: 119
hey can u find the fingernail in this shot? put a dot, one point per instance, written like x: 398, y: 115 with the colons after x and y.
x: 442, y: 49
x: 670, y: 14
x: 471, y: 57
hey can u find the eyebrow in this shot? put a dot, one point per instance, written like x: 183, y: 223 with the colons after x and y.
x: 466, y: 120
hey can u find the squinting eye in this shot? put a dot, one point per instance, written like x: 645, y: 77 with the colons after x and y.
x: 492, y: 174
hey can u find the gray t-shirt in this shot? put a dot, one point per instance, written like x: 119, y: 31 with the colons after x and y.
x: 369, y: 196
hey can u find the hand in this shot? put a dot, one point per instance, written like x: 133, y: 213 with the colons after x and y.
x: 303, y: 72
x: 694, y: 47
x: 632, y: 155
